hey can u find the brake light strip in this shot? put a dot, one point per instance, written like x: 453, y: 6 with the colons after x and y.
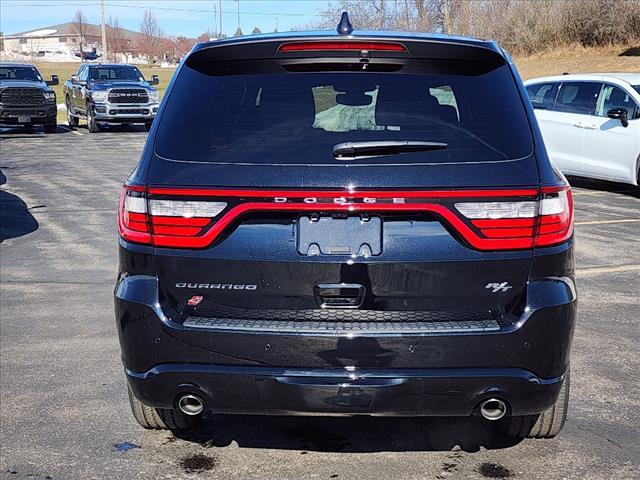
x: 522, y: 238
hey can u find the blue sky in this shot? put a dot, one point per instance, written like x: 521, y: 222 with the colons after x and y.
x: 176, y: 17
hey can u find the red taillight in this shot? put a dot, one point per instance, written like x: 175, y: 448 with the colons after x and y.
x: 555, y: 219
x: 342, y: 46
x: 133, y: 222
x: 163, y: 222
x: 545, y: 221
x: 485, y: 219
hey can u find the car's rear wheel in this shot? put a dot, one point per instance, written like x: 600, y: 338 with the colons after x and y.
x: 545, y: 425
x: 92, y: 125
x: 72, y: 120
x: 160, y: 418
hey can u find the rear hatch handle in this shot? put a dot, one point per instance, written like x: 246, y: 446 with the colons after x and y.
x: 339, y: 295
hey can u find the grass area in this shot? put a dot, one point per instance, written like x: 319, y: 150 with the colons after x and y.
x: 577, y: 59
x: 65, y: 70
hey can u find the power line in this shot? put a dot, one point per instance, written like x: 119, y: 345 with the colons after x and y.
x: 172, y: 9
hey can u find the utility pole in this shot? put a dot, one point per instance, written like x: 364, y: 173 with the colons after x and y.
x: 220, y: 8
x: 276, y: 24
x: 104, y: 32
x: 238, y: 14
x: 215, y: 19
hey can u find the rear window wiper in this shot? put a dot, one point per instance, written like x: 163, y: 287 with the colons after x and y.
x: 350, y: 150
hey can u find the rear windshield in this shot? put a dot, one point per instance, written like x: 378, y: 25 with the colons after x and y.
x: 261, y: 112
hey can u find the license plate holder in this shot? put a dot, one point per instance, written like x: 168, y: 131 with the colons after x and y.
x: 24, y: 119
x: 359, y: 236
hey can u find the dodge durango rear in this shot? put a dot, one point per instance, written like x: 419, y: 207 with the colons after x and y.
x: 351, y: 223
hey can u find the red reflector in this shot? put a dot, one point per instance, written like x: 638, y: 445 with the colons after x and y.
x: 504, y: 223
x: 507, y: 232
x: 180, y: 221
x: 180, y: 231
x: 348, y: 46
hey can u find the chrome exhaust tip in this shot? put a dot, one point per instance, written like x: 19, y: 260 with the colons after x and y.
x: 493, y: 409
x: 190, y: 405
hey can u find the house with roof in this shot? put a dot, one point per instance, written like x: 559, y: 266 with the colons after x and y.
x: 65, y: 39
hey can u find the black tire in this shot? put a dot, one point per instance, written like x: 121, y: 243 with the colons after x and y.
x: 92, y: 125
x: 548, y: 424
x: 50, y: 128
x: 72, y: 120
x: 147, y: 125
x: 160, y: 418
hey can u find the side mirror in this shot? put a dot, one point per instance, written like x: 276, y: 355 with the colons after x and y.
x: 619, y: 114
x: 74, y: 79
x: 154, y: 80
x: 53, y: 81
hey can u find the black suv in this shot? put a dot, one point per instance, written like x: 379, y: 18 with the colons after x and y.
x: 25, y: 97
x: 347, y: 224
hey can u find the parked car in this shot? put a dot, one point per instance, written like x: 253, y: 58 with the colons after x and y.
x: 25, y: 97
x: 87, y: 55
x: 413, y: 257
x: 591, y: 123
x: 110, y: 93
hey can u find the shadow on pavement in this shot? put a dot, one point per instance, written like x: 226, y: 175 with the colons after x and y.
x: 603, y: 186
x: 15, y: 218
x: 349, y: 434
x: 26, y: 132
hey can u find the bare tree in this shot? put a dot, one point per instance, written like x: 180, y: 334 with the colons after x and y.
x: 81, y: 30
x: 412, y: 15
x: 522, y: 26
x: 183, y: 45
x: 206, y: 36
x: 116, y: 39
x: 150, y: 41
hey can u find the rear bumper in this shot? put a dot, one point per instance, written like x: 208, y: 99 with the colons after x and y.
x: 37, y: 114
x: 284, y: 391
x: 287, y: 372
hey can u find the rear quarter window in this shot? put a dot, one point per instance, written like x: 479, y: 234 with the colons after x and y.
x: 542, y: 95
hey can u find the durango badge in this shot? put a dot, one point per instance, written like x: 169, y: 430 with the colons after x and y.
x: 217, y: 286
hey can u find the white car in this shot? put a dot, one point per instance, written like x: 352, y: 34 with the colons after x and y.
x: 591, y: 123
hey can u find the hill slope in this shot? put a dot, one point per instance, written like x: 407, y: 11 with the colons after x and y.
x: 577, y: 59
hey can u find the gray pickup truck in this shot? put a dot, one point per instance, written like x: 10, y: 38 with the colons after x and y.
x: 110, y: 93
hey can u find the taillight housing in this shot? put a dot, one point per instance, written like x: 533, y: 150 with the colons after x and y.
x: 541, y: 222
x: 133, y: 221
x: 161, y: 221
x: 487, y: 220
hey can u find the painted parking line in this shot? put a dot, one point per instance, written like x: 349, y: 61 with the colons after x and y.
x: 603, y: 222
x: 69, y: 130
x: 581, y: 272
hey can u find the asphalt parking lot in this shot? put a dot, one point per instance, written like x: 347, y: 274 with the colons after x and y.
x: 64, y: 412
